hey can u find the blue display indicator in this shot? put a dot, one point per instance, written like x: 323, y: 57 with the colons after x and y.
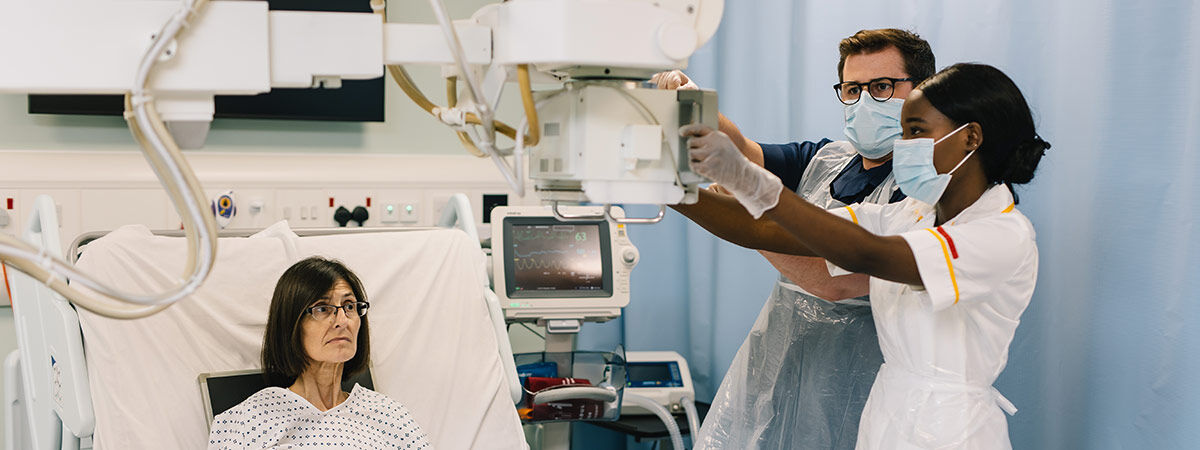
x: 653, y: 374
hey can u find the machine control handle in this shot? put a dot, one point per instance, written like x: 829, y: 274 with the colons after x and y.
x: 573, y: 217
x: 575, y: 393
x: 608, y: 215
x: 662, y: 212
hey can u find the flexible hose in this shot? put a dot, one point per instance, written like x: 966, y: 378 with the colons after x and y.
x: 452, y: 101
x: 409, y: 87
x: 177, y: 178
x: 406, y: 84
x: 689, y: 409
x: 535, y: 132
x: 514, y: 174
x: 518, y: 158
x: 170, y: 166
x: 668, y: 420
x: 475, y: 91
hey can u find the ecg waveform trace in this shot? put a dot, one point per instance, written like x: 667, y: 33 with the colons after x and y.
x: 533, y: 263
x: 557, y: 257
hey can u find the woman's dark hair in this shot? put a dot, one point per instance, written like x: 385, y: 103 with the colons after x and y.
x: 918, y: 57
x: 980, y: 93
x: 283, y: 355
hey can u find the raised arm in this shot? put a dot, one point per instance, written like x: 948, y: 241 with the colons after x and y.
x: 751, y: 149
x: 816, y: 231
x: 723, y: 216
x: 844, y: 243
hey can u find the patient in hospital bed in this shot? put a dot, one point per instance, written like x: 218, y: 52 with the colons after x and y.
x: 316, y: 334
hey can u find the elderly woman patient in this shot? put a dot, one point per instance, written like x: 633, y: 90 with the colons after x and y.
x: 316, y: 334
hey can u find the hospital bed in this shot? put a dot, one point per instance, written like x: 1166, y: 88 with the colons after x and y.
x: 80, y: 380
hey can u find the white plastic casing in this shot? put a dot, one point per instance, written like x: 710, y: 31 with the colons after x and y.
x: 624, y: 256
x: 558, y: 34
x: 94, y: 47
x: 426, y: 44
x: 668, y: 397
x: 598, y: 145
x: 305, y: 45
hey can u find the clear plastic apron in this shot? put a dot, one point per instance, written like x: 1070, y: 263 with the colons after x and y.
x: 802, y: 376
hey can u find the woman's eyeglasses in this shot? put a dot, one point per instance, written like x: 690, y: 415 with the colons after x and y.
x: 322, y: 312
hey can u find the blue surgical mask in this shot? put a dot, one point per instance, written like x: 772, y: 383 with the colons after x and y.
x: 912, y: 166
x: 872, y: 126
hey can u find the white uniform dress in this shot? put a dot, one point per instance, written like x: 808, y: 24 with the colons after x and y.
x: 945, y: 343
x: 279, y: 418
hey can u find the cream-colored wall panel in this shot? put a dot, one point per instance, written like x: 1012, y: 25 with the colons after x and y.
x: 106, y: 209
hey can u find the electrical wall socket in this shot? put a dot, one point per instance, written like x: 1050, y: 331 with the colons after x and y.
x: 303, y: 208
x: 12, y: 223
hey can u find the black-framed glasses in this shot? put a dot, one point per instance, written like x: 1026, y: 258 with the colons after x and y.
x: 880, y: 89
x: 323, y: 311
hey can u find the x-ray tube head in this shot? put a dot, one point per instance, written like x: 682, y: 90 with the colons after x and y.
x: 613, y: 142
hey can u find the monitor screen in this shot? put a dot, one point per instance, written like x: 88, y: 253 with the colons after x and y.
x: 653, y: 374
x: 356, y: 100
x: 547, y: 258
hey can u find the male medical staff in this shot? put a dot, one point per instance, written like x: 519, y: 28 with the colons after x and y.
x: 802, y: 376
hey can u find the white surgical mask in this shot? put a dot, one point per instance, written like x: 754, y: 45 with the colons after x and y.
x: 912, y: 166
x: 872, y: 126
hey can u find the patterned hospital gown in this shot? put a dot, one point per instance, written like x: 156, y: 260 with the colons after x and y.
x: 279, y: 418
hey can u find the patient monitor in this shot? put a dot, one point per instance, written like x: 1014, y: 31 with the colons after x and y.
x: 546, y: 268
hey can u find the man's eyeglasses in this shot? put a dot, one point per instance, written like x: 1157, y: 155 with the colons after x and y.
x: 880, y: 89
x: 322, y: 312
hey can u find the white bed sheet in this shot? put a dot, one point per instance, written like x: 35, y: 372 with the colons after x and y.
x: 433, y: 348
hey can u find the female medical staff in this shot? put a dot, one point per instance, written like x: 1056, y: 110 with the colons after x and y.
x: 952, y: 267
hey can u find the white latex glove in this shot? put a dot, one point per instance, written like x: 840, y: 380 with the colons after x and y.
x: 712, y: 154
x: 673, y: 80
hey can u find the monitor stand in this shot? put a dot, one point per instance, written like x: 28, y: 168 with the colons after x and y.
x: 560, y: 340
